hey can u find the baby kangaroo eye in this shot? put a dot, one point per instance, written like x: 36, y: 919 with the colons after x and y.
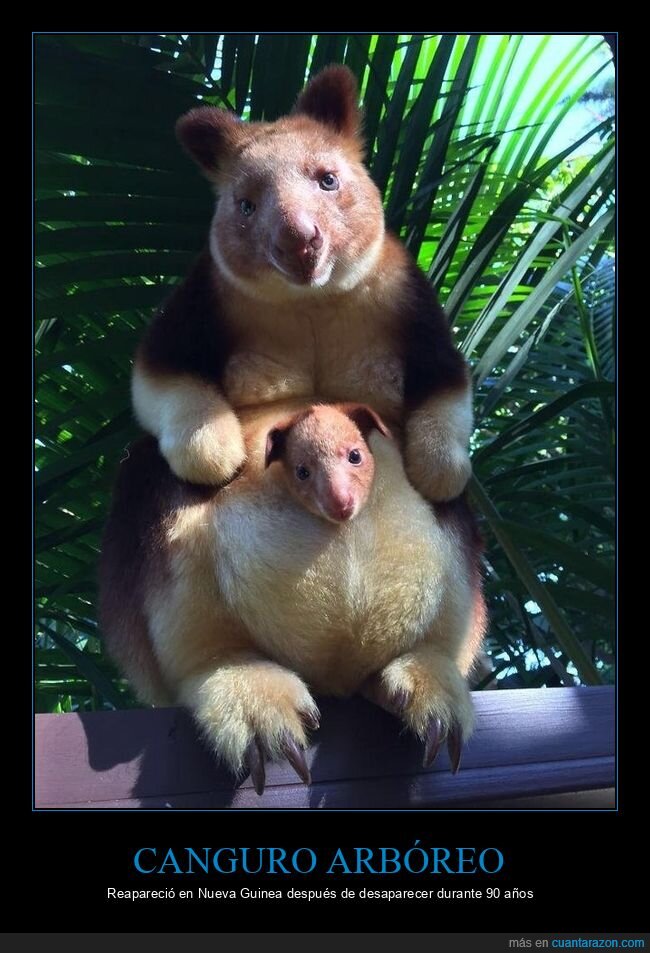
x: 354, y: 456
x: 247, y: 207
x: 302, y: 473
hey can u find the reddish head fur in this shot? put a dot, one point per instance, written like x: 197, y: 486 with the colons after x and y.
x: 327, y: 463
x: 297, y: 209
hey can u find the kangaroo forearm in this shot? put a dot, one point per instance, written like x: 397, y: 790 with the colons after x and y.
x: 198, y: 432
x: 436, y: 445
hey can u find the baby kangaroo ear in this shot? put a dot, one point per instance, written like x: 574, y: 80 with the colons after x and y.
x: 365, y: 419
x: 276, y: 440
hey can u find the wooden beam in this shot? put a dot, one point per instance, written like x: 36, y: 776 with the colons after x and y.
x: 526, y: 743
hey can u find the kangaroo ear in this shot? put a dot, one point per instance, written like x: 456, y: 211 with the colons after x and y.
x: 211, y: 136
x: 276, y: 441
x: 365, y: 419
x: 331, y: 97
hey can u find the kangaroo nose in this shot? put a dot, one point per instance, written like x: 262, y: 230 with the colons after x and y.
x: 297, y: 237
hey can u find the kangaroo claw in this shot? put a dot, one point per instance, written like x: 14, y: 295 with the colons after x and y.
x: 455, y: 747
x: 310, y: 719
x: 296, y: 758
x: 400, y: 700
x: 254, y: 760
x: 433, y: 742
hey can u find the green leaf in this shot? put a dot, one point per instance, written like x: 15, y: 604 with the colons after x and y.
x: 533, y: 421
x: 88, y: 668
x: 538, y: 591
x: 497, y: 225
x: 530, y: 307
x: 571, y: 201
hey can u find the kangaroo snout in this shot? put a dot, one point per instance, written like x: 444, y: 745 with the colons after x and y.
x: 297, y: 241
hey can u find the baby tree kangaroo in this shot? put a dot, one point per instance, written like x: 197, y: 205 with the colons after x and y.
x: 219, y: 589
x: 328, y: 465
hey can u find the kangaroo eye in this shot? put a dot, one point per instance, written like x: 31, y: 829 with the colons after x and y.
x: 302, y: 473
x: 354, y: 456
x: 247, y: 207
x: 329, y: 182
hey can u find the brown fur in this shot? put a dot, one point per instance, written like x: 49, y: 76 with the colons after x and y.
x: 146, y: 496
x: 189, y: 333
x: 229, y: 595
x: 332, y: 101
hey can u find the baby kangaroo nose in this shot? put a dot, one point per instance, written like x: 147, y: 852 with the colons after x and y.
x: 297, y: 237
x: 347, y: 508
x: 342, y: 507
